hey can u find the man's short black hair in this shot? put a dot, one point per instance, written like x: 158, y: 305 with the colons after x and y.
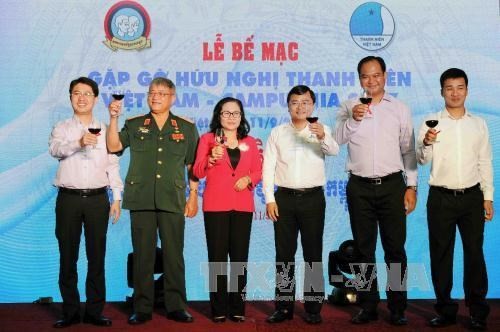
x: 86, y: 81
x: 371, y: 58
x: 453, y: 73
x: 301, y: 90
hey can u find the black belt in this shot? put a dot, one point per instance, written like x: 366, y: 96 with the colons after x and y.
x: 380, y: 180
x: 299, y: 192
x: 456, y: 192
x: 83, y: 192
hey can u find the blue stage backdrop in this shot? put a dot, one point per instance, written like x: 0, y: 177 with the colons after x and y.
x: 253, y: 50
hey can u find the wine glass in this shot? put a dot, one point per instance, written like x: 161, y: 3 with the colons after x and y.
x: 220, y: 138
x: 95, y: 128
x: 312, y: 119
x: 118, y: 94
x: 432, y: 123
x: 365, y: 97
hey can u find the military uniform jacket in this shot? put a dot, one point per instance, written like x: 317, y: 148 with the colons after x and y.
x: 156, y: 177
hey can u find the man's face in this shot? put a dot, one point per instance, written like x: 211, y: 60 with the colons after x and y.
x: 372, y: 78
x: 300, y: 106
x: 82, y: 99
x: 454, y: 92
x: 160, y: 98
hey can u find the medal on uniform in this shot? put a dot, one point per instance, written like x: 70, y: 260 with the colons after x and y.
x: 147, y: 121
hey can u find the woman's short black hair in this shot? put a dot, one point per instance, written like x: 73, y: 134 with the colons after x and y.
x: 243, y: 128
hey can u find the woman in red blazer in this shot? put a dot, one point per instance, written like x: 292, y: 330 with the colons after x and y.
x: 232, y: 165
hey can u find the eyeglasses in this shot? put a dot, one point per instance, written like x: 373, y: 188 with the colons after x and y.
x: 300, y: 103
x: 227, y: 114
x: 160, y: 94
x: 78, y: 94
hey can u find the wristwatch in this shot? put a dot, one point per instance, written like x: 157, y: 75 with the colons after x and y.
x: 412, y: 187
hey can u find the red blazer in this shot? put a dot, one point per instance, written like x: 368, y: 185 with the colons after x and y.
x: 219, y: 193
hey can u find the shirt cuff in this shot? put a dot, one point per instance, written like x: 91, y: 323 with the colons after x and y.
x: 488, y: 195
x: 117, y: 195
x: 269, y: 197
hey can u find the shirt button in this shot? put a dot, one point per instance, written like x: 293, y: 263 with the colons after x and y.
x: 161, y: 138
x: 131, y: 182
x: 159, y: 162
x: 158, y: 176
x: 160, y: 149
x: 142, y: 137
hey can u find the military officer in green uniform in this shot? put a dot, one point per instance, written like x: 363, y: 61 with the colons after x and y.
x: 162, y: 148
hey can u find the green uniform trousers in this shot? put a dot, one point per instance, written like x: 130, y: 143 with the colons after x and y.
x: 145, y: 224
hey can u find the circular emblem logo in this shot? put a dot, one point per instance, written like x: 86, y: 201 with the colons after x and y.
x: 372, y: 26
x: 127, y: 26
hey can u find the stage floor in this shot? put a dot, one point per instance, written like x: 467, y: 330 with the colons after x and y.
x: 24, y: 317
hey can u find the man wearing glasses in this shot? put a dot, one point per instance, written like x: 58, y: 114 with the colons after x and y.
x: 86, y: 171
x: 162, y: 146
x: 294, y: 160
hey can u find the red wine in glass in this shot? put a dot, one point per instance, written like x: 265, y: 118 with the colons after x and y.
x: 94, y: 131
x: 365, y: 100
x: 312, y: 119
x: 431, y: 123
x: 118, y: 96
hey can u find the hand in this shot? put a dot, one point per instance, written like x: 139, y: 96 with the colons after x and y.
x: 191, y: 208
x: 242, y: 183
x: 488, y: 210
x: 88, y: 139
x: 216, y: 153
x: 430, y: 136
x: 410, y: 200
x: 114, y: 211
x: 317, y: 129
x: 115, y: 108
x: 272, y: 211
x: 359, y: 111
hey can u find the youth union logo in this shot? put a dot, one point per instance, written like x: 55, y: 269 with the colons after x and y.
x: 372, y: 26
x: 127, y: 26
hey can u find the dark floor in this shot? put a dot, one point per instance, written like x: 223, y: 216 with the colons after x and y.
x: 24, y: 317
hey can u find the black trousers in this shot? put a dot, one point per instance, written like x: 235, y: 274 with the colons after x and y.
x: 305, y: 214
x: 146, y: 225
x: 446, y: 212
x: 71, y: 212
x: 374, y: 207
x: 228, y: 235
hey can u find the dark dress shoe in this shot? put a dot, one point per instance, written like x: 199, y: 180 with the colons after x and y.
x: 364, y: 317
x: 98, y: 321
x: 477, y: 324
x: 398, y: 319
x: 65, y: 322
x: 313, y: 318
x: 219, y: 319
x: 237, y: 318
x: 442, y: 321
x: 181, y: 316
x: 139, y: 318
x: 279, y: 316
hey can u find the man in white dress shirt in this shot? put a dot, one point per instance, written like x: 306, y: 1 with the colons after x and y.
x: 460, y: 195
x: 294, y: 161
x: 86, y: 171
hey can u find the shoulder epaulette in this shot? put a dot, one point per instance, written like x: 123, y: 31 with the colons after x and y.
x: 135, y: 117
x: 185, y: 119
